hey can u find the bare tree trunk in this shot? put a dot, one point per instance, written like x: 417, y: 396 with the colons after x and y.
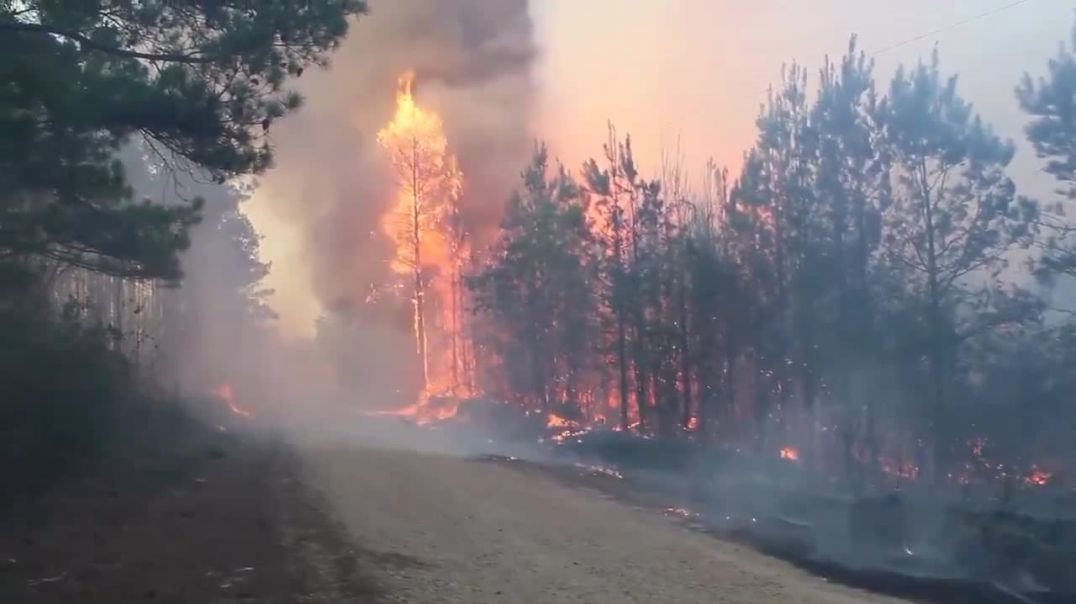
x: 416, y: 248
x: 642, y: 380
x: 454, y: 329
x: 617, y: 225
x: 686, y: 373
x: 622, y: 367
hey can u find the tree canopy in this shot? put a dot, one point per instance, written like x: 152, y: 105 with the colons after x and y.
x: 199, y: 82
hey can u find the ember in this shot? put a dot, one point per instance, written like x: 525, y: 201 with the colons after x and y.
x: 681, y: 513
x: 904, y: 470
x: 1038, y: 477
x: 568, y: 435
x: 602, y: 471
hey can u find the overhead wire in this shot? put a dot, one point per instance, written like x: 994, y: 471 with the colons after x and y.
x: 940, y: 30
x: 934, y: 32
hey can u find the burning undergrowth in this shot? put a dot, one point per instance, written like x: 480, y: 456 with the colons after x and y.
x: 954, y: 542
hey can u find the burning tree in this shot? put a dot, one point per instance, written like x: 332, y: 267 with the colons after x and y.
x: 424, y: 222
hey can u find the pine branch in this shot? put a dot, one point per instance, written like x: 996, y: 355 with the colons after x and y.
x: 89, y: 43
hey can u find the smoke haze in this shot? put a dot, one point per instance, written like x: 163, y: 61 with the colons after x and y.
x: 684, y: 73
x: 696, y: 70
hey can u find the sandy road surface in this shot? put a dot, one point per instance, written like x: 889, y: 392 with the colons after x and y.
x: 445, y: 530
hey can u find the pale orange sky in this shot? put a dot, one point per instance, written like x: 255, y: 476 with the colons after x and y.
x: 696, y: 71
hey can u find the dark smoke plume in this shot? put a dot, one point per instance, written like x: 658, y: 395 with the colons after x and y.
x: 473, y: 60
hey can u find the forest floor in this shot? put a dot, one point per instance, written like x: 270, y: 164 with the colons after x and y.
x: 220, y: 519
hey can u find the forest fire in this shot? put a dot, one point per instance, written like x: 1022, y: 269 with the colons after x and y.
x: 665, y: 365
x: 430, y: 245
x: 227, y: 396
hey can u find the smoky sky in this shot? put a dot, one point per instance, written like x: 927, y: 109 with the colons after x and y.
x: 692, y: 73
x: 473, y: 61
x: 681, y: 76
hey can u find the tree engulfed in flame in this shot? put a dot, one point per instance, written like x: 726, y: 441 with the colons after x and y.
x: 429, y: 240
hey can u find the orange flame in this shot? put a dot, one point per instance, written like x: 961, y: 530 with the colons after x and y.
x: 225, y: 394
x: 427, y: 234
x: 790, y: 454
x: 555, y: 421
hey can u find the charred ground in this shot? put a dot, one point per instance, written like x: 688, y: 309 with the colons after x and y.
x: 180, y: 511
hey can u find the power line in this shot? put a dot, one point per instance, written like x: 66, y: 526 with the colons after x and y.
x: 972, y: 19
x: 940, y: 30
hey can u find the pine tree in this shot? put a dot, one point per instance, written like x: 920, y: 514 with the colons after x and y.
x: 536, y: 288
x: 851, y: 185
x: 1051, y: 102
x: 779, y: 221
x: 606, y: 191
x: 954, y: 217
x: 201, y: 83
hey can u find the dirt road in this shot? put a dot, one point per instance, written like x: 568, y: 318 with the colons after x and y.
x: 447, y: 530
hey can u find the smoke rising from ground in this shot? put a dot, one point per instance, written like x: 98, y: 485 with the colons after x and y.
x: 330, y: 186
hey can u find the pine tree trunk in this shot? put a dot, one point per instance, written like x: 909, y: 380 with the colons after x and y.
x: 622, y: 369
x: 416, y: 249
x: 685, y: 356
x: 454, y: 329
x: 937, y: 354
